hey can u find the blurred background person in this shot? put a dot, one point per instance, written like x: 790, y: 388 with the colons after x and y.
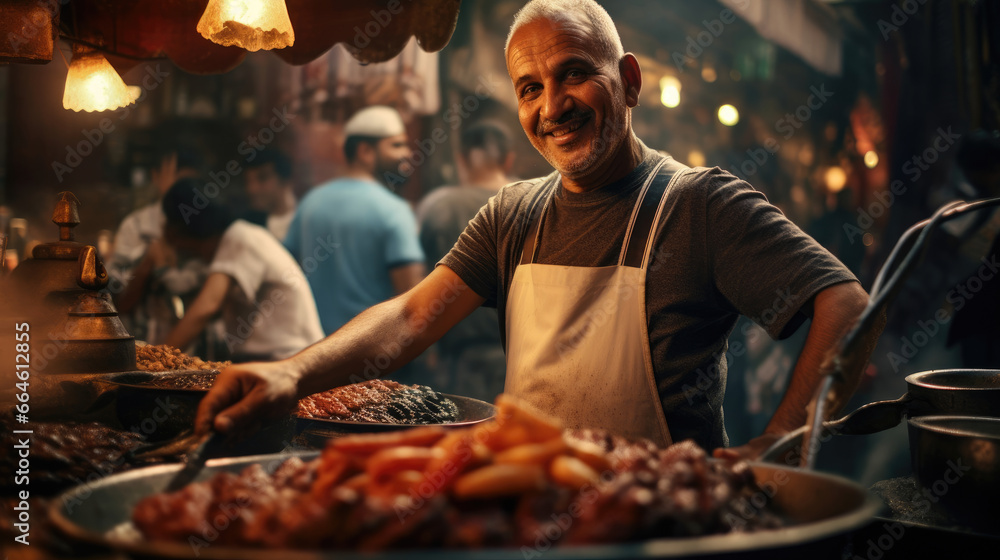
x: 976, y: 324
x: 150, y: 284
x: 470, y: 356
x: 355, y: 239
x: 263, y: 297
x: 268, y: 180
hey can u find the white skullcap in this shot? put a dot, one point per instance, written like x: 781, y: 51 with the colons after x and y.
x: 377, y: 121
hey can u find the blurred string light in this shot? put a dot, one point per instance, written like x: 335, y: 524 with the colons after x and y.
x: 835, y: 178
x: 708, y: 74
x: 696, y: 158
x: 670, y: 94
x: 871, y: 159
x: 728, y: 115
x: 92, y: 84
x: 249, y: 24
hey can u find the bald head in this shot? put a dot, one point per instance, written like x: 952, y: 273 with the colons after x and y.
x: 588, y: 12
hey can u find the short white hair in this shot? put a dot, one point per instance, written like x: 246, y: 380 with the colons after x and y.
x: 606, y: 35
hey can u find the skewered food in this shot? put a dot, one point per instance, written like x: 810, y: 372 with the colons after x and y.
x: 519, y: 480
x: 66, y: 453
x: 380, y: 401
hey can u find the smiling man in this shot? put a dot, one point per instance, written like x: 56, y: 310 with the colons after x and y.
x: 617, y: 278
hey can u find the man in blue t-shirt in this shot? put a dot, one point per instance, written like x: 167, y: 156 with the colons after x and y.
x: 357, y: 241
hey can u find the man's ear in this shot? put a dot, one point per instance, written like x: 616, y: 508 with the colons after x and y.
x: 366, y: 153
x: 632, y: 78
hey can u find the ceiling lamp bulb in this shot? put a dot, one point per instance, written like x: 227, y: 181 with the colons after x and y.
x: 92, y: 84
x: 728, y: 115
x: 249, y: 24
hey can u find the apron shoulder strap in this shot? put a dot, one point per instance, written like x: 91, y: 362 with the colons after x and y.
x: 648, y: 209
x: 535, y: 217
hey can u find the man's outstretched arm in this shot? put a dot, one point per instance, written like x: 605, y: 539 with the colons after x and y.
x: 373, y: 344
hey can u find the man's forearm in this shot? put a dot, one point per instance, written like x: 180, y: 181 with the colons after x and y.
x: 342, y: 357
x: 186, y: 330
x: 835, y: 311
x: 385, y: 337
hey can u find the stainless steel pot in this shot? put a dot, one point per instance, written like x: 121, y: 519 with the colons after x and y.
x: 957, y: 461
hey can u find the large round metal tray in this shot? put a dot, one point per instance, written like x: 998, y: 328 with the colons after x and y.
x: 470, y: 411
x: 817, y: 507
x: 141, y: 379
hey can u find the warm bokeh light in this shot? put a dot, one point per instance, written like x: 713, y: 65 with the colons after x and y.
x: 250, y: 24
x: 799, y: 194
x: 728, y: 115
x: 708, y: 74
x: 92, y: 84
x: 806, y: 154
x: 835, y: 178
x: 671, y: 91
x: 868, y: 239
x: 871, y: 159
x: 696, y: 158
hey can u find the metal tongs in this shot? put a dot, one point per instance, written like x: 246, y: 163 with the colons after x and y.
x: 210, y: 447
x: 883, y: 292
x: 195, y: 449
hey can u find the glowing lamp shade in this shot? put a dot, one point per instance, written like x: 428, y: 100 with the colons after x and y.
x: 250, y: 24
x: 93, y: 85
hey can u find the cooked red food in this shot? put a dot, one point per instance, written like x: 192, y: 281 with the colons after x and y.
x: 162, y: 357
x: 380, y: 401
x: 519, y: 480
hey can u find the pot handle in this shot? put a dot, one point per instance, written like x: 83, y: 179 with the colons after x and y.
x: 871, y: 418
x: 868, y: 419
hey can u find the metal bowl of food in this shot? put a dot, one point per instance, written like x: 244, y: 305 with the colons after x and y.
x: 159, y: 405
x: 819, y: 511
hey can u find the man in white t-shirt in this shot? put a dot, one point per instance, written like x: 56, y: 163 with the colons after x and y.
x: 146, y: 275
x: 262, y: 294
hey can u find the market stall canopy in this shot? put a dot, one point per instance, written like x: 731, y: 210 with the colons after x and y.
x: 808, y: 29
x: 129, y: 31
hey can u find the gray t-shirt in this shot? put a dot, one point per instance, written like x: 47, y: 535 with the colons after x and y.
x: 720, y: 250
x: 443, y: 216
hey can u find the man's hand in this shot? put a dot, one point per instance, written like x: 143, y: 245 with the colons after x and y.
x: 245, y: 395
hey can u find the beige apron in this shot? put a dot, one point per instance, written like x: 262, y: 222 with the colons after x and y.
x: 577, y: 343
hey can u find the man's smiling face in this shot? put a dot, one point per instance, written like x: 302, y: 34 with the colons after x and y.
x: 571, y: 102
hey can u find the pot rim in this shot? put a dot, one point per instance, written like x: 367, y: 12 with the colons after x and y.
x: 920, y: 379
x: 929, y: 423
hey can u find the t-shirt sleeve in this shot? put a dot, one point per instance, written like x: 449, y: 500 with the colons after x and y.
x: 764, y: 265
x: 402, y: 246
x: 474, y: 255
x: 235, y: 257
